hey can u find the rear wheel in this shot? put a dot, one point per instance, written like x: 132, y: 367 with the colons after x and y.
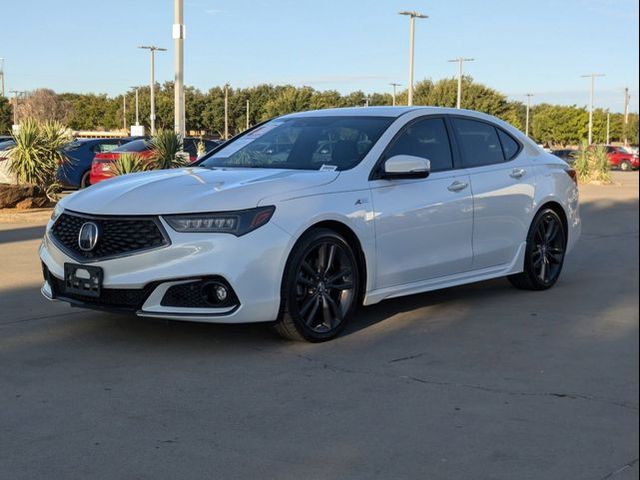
x: 85, y: 181
x: 625, y: 166
x: 320, y: 288
x: 544, y: 257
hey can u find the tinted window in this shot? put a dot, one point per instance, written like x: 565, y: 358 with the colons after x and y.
x: 509, y: 146
x: 427, y: 139
x: 190, y: 146
x: 104, y: 147
x: 478, y: 143
x: 135, y: 146
x: 308, y: 143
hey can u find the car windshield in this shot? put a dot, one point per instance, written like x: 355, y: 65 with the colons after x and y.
x: 314, y: 143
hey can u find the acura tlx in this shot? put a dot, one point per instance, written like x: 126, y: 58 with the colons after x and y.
x: 302, y: 219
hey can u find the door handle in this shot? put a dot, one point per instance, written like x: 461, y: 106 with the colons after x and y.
x: 457, y: 186
x: 517, y: 173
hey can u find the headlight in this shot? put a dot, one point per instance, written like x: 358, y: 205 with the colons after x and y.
x: 57, y: 212
x: 237, y: 223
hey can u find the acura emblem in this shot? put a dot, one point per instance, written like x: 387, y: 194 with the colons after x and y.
x: 88, y: 236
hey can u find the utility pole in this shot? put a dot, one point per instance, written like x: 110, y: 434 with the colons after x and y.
x: 526, y: 128
x: 152, y: 49
x: 394, y: 85
x: 460, y: 61
x: 226, y: 111
x: 593, y: 81
x: 626, y: 114
x: 1, y: 76
x: 412, y: 26
x: 366, y: 100
x: 178, y: 86
x: 608, y: 126
x: 247, y: 114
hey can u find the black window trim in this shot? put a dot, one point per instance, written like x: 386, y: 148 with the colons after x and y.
x: 377, y: 170
x: 498, y: 128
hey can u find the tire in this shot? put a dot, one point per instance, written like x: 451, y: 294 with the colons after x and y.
x: 544, y: 255
x: 320, y: 288
x: 85, y: 181
x: 625, y: 166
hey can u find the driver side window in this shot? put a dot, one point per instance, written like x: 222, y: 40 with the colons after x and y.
x: 427, y: 138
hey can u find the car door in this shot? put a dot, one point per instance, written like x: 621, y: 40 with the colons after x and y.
x: 503, y: 186
x: 423, y: 226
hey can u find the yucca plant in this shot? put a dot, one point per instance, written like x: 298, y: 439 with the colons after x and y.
x: 582, y: 165
x: 129, y: 163
x: 600, y: 166
x: 36, y: 155
x: 166, y: 146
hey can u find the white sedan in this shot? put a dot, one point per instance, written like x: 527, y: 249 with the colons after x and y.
x: 303, y: 218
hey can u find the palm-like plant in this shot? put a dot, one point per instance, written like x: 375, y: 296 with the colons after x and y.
x: 36, y: 155
x: 166, y: 146
x: 129, y: 163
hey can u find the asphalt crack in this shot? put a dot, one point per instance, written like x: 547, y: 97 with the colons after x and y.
x: 621, y: 469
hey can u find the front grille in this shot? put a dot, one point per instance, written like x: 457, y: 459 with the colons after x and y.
x: 118, y: 298
x: 117, y: 235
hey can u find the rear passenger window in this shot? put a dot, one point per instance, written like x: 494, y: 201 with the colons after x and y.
x: 478, y: 141
x: 509, y: 146
x: 428, y: 139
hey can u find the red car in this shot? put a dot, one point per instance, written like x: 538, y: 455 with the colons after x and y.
x: 620, y: 158
x: 101, y: 167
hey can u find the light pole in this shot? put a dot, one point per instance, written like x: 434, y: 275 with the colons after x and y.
x: 460, y: 61
x: 226, y: 111
x: 137, y: 107
x: 608, y: 126
x: 152, y: 49
x: 394, y: 85
x: 1, y: 76
x: 526, y: 123
x: 124, y: 111
x: 626, y: 114
x: 247, y: 114
x: 412, y: 26
x: 178, y: 86
x: 593, y: 82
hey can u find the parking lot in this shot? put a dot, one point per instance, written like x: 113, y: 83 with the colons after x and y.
x: 480, y: 381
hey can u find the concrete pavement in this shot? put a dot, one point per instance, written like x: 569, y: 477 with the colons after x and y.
x: 482, y: 381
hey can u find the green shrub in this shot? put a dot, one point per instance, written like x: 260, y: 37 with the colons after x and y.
x: 166, y: 146
x: 592, y: 164
x: 36, y: 156
x: 129, y: 163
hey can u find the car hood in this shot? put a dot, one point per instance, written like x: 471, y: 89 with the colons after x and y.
x: 187, y: 190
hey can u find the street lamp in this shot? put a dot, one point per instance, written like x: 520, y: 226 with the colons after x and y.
x: 593, y: 81
x: 152, y: 49
x: 412, y: 26
x: 460, y: 61
x: 393, y: 98
x: 526, y: 128
x: 135, y: 87
x: 178, y: 86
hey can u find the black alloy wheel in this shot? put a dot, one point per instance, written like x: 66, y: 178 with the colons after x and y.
x: 320, y: 288
x: 546, y: 246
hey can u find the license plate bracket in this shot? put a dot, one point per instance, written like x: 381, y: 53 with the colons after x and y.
x: 83, y: 279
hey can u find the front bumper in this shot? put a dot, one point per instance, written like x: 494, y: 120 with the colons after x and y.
x: 252, y: 265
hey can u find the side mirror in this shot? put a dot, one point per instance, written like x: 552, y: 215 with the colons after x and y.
x: 406, y: 166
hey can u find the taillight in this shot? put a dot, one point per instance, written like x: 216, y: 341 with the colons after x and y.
x: 572, y: 173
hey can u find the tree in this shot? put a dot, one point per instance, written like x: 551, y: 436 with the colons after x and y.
x: 6, y: 115
x: 44, y: 105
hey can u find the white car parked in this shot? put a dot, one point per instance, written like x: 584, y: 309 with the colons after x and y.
x: 305, y: 217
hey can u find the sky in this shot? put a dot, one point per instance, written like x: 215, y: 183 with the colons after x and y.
x: 537, y: 46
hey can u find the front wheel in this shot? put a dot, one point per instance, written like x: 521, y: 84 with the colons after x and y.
x: 625, y: 166
x: 544, y: 256
x: 320, y: 287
